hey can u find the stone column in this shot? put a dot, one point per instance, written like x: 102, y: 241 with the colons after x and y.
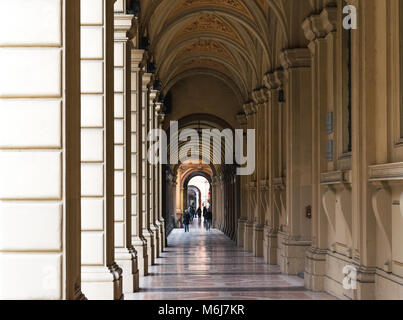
x: 169, y: 213
x: 147, y: 232
x: 173, y: 194
x: 40, y: 150
x: 250, y: 112
x: 274, y: 171
x: 226, y: 200
x: 101, y: 276
x: 152, y: 194
x: 233, y: 218
x: 160, y: 178
x: 376, y: 205
x: 138, y: 240
x: 243, y: 190
x: 320, y: 30
x: 214, y: 202
x: 296, y: 234
x: 126, y: 255
x: 221, y: 199
x: 261, y: 102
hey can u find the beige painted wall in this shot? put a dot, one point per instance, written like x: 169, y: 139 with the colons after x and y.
x: 204, y: 94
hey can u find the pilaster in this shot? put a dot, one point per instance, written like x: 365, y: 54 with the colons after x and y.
x: 321, y: 30
x: 270, y: 193
x: 154, y: 226
x: 40, y: 151
x: 138, y: 240
x: 250, y: 112
x: 296, y: 235
x: 260, y: 97
x: 160, y: 117
x: 243, y: 123
x: 125, y: 253
x: 147, y: 231
x: 101, y: 276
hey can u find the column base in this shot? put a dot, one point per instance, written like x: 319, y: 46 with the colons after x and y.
x: 79, y: 296
x: 149, y: 236
x: 388, y: 286
x: 156, y: 239
x: 140, y: 245
x: 102, y: 283
x: 258, y: 239
x: 292, y: 254
x: 248, y: 236
x: 241, y: 232
x: 315, y: 269
x: 335, y: 281
x: 270, y: 246
x: 365, y: 284
x: 127, y: 260
x: 162, y: 235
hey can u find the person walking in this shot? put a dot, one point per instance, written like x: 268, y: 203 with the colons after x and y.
x: 205, y: 217
x: 199, y: 212
x: 192, y: 213
x: 209, y: 218
x: 186, y: 220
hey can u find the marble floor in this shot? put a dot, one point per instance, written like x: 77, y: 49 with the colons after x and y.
x: 202, y: 265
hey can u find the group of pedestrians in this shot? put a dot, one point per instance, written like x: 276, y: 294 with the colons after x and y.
x: 191, y: 214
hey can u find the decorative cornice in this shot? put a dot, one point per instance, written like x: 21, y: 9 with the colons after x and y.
x: 336, y: 177
x: 386, y: 172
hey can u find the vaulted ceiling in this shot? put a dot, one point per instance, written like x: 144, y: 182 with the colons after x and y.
x: 233, y: 40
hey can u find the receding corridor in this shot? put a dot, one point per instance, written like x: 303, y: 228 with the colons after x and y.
x: 204, y: 265
x: 280, y: 122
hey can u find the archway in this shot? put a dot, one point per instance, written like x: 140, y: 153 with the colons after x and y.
x: 201, y: 184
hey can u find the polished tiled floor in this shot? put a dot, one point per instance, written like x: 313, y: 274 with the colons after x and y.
x: 207, y: 265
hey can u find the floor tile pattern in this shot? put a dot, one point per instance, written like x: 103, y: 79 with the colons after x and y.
x: 202, y: 265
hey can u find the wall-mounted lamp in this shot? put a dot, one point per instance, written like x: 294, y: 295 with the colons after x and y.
x: 151, y: 67
x: 308, y: 212
x: 133, y: 7
x: 144, y: 43
x: 157, y: 85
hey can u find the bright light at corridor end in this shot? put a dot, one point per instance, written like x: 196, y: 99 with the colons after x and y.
x: 196, y: 144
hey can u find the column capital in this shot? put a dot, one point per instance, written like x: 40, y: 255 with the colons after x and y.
x: 241, y: 118
x: 161, y: 118
x: 320, y: 25
x: 270, y: 81
x: 158, y: 107
x: 146, y: 80
x: 249, y: 108
x: 295, y: 58
x: 136, y: 58
x: 153, y: 94
x: 260, y: 95
x: 123, y: 23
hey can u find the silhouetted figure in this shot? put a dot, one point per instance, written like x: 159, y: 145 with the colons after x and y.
x: 205, y: 217
x: 199, y: 213
x: 186, y: 220
x: 192, y: 213
x: 209, y: 219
